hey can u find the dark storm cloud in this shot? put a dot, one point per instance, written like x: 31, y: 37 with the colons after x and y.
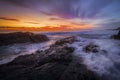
x: 8, y: 19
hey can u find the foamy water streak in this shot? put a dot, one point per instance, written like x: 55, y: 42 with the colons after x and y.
x: 106, y: 62
x: 8, y: 53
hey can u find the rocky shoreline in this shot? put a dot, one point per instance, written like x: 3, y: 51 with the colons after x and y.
x: 21, y: 37
x: 55, y: 63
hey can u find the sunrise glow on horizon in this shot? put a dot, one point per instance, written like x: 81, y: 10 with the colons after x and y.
x: 59, y: 15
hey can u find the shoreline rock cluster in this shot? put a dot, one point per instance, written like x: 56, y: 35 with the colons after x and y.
x: 55, y: 63
x: 21, y: 37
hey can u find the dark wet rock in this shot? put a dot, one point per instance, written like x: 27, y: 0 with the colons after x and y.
x: 77, y: 71
x: 61, y: 54
x: 116, y: 36
x: 25, y: 60
x: 91, y: 48
x: 55, y: 63
x: 69, y: 40
x: 119, y: 32
x: 39, y: 51
x: 21, y: 37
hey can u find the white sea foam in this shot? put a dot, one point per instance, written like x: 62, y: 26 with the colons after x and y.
x: 105, y: 61
x: 8, y: 53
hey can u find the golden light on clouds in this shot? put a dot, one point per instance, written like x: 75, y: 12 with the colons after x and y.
x: 42, y: 24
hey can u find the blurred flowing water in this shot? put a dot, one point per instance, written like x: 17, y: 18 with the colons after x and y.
x: 106, y: 63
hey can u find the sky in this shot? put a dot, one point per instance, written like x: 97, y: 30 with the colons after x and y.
x: 59, y: 15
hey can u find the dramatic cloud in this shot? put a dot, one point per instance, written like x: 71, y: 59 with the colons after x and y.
x: 87, y: 11
x: 65, y: 8
x: 8, y: 19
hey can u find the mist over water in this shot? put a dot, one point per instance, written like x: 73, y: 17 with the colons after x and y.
x: 106, y: 62
x: 9, y: 52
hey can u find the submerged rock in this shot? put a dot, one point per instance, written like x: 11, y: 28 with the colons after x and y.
x: 21, y: 37
x: 91, y: 48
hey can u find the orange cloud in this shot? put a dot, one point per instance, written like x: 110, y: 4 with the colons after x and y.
x: 48, y: 28
x: 42, y: 24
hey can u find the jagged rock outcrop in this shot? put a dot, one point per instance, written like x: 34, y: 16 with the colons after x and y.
x: 55, y: 63
x: 21, y: 37
x: 69, y: 40
x: 91, y: 48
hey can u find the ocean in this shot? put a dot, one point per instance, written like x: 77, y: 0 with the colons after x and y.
x: 106, y: 62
